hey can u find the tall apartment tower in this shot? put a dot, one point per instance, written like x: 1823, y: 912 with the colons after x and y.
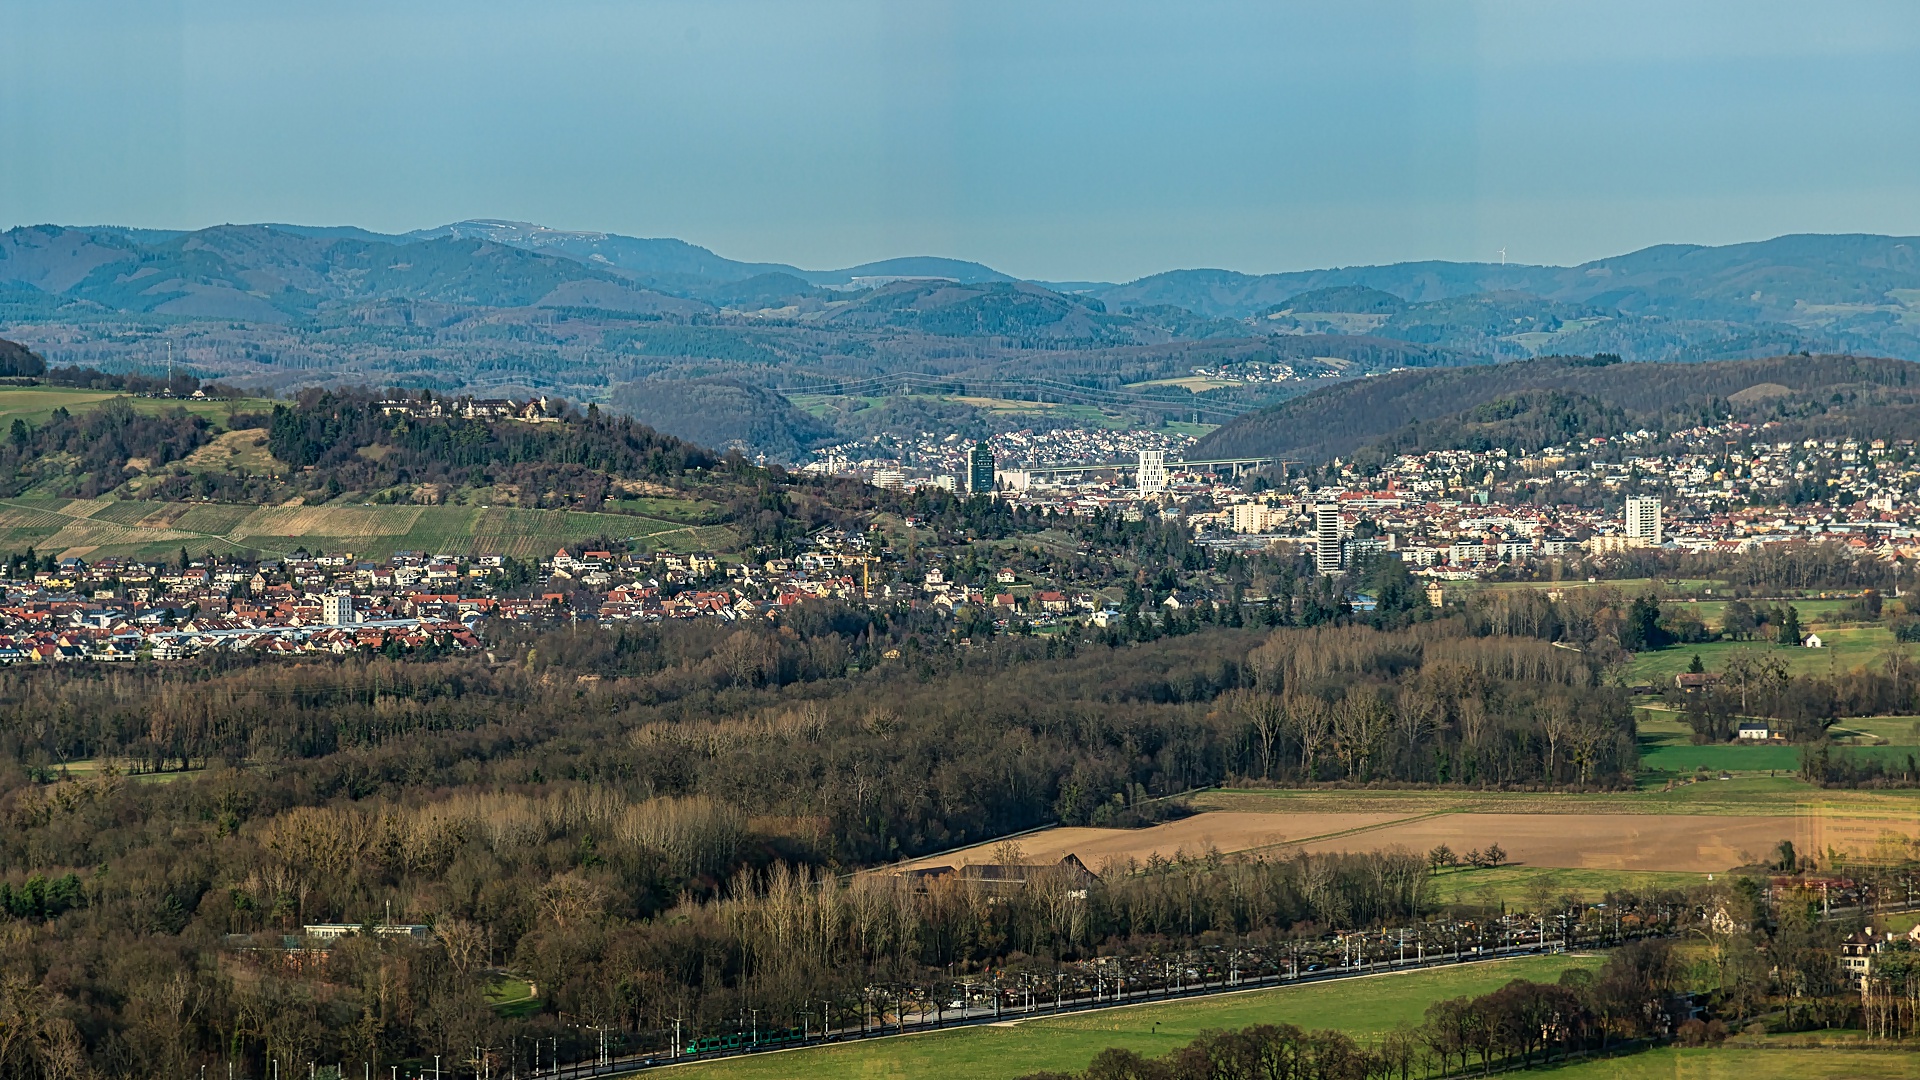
x: 1326, y: 538
x: 1152, y: 473
x: 336, y: 609
x: 1643, y: 520
x: 980, y: 469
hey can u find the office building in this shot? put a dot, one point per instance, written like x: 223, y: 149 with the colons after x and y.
x: 1151, y: 476
x: 980, y: 474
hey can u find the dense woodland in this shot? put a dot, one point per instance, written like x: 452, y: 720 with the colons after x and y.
x: 658, y: 820
x: 344, y: 438
x: 614, y: 812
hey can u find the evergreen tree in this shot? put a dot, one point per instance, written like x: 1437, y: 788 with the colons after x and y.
x: 1790, y: 626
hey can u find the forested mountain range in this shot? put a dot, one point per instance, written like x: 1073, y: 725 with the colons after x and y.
x: 1525, y: 405
x: 501, y: 307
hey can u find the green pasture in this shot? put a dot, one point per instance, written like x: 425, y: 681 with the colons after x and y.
x: 1364, y: 1008
x: 1896, y: 730
x: 1666, y: 746
x: 1742, y: 795
x: 1184, y: 428
x: 35, y: 404
x: 1714, y: 612
x: 1515, y: 885
x: 1742, y: 1063
x: 1720, y: 757
x: 512, y: 996
x: 1846, y: 648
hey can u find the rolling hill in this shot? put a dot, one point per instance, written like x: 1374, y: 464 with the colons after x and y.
x: 264, y: 274
x: 1526, y: 404
x: 725, y: 414
x: 501, y: 307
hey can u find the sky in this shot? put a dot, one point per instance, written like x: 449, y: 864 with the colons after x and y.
x: 1057, y: 141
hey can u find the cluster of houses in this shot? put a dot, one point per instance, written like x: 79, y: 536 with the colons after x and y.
x: 532, y: 411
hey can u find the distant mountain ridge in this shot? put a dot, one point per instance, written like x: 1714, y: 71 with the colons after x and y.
x: 1763, y: 278
x: 495, y: 306
x: 672, y: 261
x: 1810, y: 293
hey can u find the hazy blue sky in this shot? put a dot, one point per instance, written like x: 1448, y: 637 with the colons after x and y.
x: 1099, y: 140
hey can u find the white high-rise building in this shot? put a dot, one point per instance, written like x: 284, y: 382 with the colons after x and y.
x: 1326, y: 538
x: 337, y: 609
x: 1152, y: 473
x: 1643, y: 520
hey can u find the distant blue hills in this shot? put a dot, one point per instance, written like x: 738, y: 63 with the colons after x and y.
x: 1854, y: 293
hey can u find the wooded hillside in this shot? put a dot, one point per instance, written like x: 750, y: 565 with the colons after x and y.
x: 1588, y: 396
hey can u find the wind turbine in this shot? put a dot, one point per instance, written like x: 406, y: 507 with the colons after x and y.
x: 1503, y: 256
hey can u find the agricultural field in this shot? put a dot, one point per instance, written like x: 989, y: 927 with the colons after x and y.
x: 35, y: 403
x: 94, y: 528
x: 1364, y: 1008
x: 1197, y: 384
x: 1224, y: 831
x: 1572, y: 837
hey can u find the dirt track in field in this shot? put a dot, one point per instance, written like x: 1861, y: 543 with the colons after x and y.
x: 1698, y: 843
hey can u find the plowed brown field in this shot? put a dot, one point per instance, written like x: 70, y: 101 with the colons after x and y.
x: 1226, y: 830
x: 1699, y: 843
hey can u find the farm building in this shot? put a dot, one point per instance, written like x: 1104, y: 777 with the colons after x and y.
x: 1006, y: 877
